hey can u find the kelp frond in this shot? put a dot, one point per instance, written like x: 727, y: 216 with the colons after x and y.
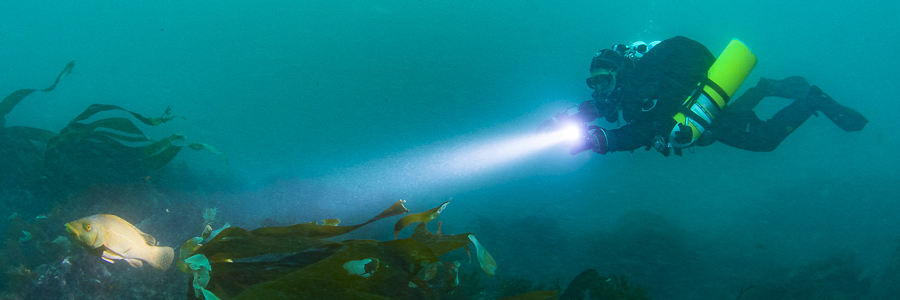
x: 312, y: 267
x: 13, y: 99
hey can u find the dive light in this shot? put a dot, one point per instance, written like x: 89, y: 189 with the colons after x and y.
x: 573, y: 131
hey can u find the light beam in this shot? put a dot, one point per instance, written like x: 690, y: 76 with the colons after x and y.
x: 449, y: 163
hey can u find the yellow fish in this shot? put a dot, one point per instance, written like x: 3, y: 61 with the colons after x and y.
x: 113, y: 238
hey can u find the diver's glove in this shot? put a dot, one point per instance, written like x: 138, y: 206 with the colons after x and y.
x: 602, y: 137
x: 595, y: 138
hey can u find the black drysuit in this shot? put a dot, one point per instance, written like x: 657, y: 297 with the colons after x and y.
x: 651, y: 92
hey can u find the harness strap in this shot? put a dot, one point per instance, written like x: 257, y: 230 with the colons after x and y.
x: 693, y: 116
x: 708, y: 82
x: 685, y: 109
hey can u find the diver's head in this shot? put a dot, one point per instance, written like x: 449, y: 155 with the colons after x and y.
x: 602, y: 80
x: 604, y: 67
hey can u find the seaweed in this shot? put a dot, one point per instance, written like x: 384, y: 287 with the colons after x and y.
x: 21, y: 147
x: 422, y: 217
x: 300, y: 262
x: 109, y: 150
x: 112, y: 149
x: 13, y: 99
x: 235, y: 242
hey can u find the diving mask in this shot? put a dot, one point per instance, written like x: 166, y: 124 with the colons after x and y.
x: 602, y: 80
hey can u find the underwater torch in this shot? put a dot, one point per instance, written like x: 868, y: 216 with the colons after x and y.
x: 572, y: 130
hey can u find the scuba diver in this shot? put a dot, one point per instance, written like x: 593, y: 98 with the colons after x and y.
x: 649, y: 83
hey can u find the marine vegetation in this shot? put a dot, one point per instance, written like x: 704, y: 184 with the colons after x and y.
x: 302, y: 261
x: 86, y: 151
x: 46, y: 174
x: 299, y: 262
x: 98, y: 163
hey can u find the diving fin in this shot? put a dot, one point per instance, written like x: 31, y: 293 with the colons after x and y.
x: 844, y: 117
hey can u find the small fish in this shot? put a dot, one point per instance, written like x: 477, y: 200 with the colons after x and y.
x: 113, y: 238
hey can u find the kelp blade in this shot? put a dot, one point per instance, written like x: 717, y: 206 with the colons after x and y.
x: 235, y: 242
x: 353, y: 269
x: 309, y: 230
x: 399, y: 261
x: 423, y: 217
x: 98, y: 108
x: 14, y: 98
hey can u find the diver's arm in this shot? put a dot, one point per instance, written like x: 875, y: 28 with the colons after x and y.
x: 625, y: 138
x: 630, y: 137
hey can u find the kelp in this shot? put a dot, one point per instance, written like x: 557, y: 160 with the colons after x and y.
x: 487, y: 262
x: 186, y: 250
x: 397, y: 263
x: 326, y: 231
x: 235, y: 242
x: 199, y: 267
x: 22, y: 147
x: 115, y: 132
x: 118, y: 136
x: 423, y: 217
x: 439, y: 243
x: 299, y: 262
x: 109, y: 149
x: 13, y: 99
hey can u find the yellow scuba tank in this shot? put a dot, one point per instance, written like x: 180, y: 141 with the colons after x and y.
x: 725, y: 77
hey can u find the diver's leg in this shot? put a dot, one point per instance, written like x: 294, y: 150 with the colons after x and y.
x: 744, y: 130
x: 739, y: 126
x: 844, y: 117
x: 783, y: 123
x: 747, y: 101
x: 740, y: 129
x: 797, y: 88
x: 794, y: 87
